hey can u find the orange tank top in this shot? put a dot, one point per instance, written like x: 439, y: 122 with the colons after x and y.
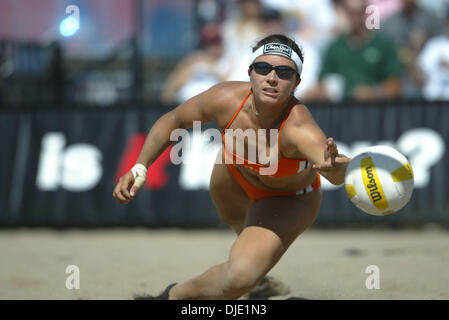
x: 286, y: 166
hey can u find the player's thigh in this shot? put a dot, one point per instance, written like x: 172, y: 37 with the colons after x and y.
x: 285, y: 217
x: 230, y: 199
x: 272, y: 225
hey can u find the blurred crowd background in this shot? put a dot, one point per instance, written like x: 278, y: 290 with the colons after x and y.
x: 166, y: 51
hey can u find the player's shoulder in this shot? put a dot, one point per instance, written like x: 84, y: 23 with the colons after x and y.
x: 299, y: 114
x: 226, y: 94
x: 299, y: 128
x: 298, y: 118
x: 223, y: 99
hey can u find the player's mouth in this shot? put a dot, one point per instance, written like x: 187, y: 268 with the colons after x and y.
x: 271, y: 92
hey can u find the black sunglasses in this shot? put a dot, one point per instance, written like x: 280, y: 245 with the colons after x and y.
x: 264, y: 68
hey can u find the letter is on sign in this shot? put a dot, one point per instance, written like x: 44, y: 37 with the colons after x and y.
x: 76, y: 167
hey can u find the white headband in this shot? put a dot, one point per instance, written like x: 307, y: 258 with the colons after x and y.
x: 280, y: 50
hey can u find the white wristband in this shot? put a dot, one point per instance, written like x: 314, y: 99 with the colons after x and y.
x: 139, y: 172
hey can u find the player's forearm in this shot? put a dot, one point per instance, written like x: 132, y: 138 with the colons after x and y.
x: 158, y: 139
x: 336, y: 176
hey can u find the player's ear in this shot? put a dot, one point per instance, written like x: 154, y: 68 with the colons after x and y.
x: 250, y: 68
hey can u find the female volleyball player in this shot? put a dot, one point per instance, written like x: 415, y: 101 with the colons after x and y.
x: 268, y: 204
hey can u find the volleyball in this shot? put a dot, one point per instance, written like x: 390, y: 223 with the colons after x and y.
x: 379, y: 180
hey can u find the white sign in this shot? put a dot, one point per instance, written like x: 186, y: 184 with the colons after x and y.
x: 75, y: 168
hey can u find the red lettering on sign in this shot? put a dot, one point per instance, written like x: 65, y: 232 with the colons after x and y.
x: 157, y: 178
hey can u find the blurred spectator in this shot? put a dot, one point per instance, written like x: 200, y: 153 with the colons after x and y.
x: 360, y: 65
x: 272, y: 21
x: 434, y: 63
x: 310, y: 69
x: 240, y: 32
x: 438, y: 7
x: 210, y: 11
x: 409, y: 29
x: 342, y: 24
x: 242, y: 28
x: 198, y: 71
x: 308, y: 20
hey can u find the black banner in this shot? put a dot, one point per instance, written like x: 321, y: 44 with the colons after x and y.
x: 58, y: 168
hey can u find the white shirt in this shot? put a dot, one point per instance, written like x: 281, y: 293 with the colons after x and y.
x: 436, y: 86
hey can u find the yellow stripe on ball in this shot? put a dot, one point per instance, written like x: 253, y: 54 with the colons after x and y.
x: 372, y: 184
x: 350, y: 190
x: 403, y: 173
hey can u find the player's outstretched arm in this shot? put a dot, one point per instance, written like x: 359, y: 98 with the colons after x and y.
x: 199, y: 108
x: 305, y: 139
x: 333, y: 168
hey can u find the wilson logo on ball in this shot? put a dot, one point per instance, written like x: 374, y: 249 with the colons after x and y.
x: 372, y: 184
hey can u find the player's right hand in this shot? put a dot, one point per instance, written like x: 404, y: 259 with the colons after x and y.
x: 129, y: 184
x: 122, y: 189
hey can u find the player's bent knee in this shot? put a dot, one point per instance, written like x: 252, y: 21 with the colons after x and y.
x: 242, y: 276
